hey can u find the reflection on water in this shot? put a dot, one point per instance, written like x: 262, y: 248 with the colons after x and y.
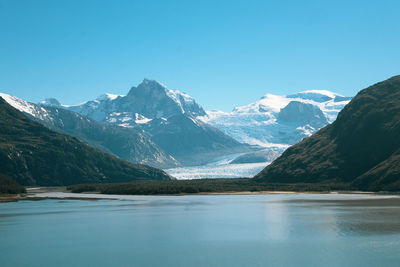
x: 277, y: 215
x: 358, y: 216
x: 252, y: 230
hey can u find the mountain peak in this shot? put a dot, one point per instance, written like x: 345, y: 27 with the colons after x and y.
x: 171, y: 102
x: 108, y: 96
x: 315, y: 95
x: 148, y: 86
x: 151, y: 81
x: 51, y: 102
x: 24, y: 106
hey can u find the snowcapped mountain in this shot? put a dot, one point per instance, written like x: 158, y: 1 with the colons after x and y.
x: 125, y: 143
x: 50, y: 102
x: 147, y: 101
x: 26, y: 107
x: 33, y: 155
x: 166, y: 128
x: 168, y: 117
x: 276, y: 122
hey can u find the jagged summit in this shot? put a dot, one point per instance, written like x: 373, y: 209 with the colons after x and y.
x: 147, y: 85
x: 149, y: 100
x: 172, y: 102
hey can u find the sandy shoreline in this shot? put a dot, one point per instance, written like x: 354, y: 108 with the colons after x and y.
x: 35, y: 194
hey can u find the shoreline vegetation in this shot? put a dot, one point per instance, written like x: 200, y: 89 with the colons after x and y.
x: 222, y: 186
x: 9, y: 186
x: 10, y: 191
x: 202, y: 186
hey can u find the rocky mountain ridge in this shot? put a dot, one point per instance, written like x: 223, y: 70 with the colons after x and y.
x: 125, y: 143
x: 32, y: 154
x: 361, y: 148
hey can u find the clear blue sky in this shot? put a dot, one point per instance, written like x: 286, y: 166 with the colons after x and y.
x: 223, y: 53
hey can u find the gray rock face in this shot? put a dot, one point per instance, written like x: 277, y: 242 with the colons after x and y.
x: 302, y: 113
x: 153, y: 100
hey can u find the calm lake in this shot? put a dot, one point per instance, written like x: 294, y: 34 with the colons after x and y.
x: 224, y: 230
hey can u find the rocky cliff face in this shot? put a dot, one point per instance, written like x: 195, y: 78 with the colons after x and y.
x: 302, y: 114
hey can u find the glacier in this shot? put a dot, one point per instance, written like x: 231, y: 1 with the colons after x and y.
x: 262, y: 123
x: 273, y: 123
x: 219, y: 168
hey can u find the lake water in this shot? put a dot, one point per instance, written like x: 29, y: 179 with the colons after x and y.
x: 224, y: 230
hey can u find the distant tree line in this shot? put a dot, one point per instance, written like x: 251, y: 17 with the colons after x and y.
x: 201, y: 186
x: 8, y: 186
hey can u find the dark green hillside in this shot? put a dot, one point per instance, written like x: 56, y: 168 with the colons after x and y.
x: 362, y: 147
x: 8, y: 186
x: 31, y: 154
